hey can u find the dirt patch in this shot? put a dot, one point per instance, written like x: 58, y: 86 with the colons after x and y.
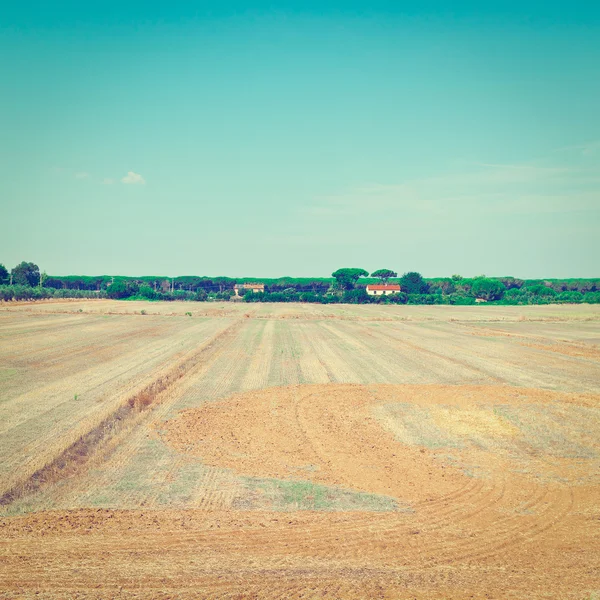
x: 324, y: 434
x: 405, y: 441
x: 568, y: 350
x: 228, y: 554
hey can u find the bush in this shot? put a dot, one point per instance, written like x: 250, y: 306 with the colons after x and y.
x: 570, y: 297
x: 311, y: 297
x: 147, y: 292
x: 399, y: 298
x: 488, y: 289
x: 24, y: 292
x: 515, y: 296
x: 592, y: 298
x: 38, y: 293
x: 182, y: 295
x: 357, y: 296
x: 21, y: 292
x: 118, y: 290
x: 224, y: 295
x: 5, y: 293
x: 539, y: 290
x: 459, y: 299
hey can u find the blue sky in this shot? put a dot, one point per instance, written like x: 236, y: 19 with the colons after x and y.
x: 292, y: 138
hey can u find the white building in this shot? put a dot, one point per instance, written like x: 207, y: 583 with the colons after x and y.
x: 382, y: 289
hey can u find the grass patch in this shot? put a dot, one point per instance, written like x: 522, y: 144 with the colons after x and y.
x: 413, y: 425
x: 7, y: 373
x: 286, y: 495
x: 548, y: 431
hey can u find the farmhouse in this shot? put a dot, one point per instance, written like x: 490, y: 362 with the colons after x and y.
x: 382, y: 289
x: 254, y: 287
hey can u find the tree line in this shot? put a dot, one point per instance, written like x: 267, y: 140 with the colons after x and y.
x: 347, y: 285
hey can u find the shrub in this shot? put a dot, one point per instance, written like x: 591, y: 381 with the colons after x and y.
x: 118, y: 290
x: 461, y: 299
x: 224, y: 295
x: 488, y: 289
x: 539, y: 290
x: 147, y: 292
x: 182, y: 295
x: 592, y: 298
x: 399, y: 298
x: 21, y: 292
x: 357, y: 296
x: 570, y: 297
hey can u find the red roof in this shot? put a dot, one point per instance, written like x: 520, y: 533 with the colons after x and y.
x: 390, y: 287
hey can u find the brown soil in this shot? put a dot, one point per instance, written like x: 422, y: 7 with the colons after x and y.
x: 351, y: 435
x: 504, y: 533
x: 191, y: 554
x: 325, y: 433
x: 568, y: 350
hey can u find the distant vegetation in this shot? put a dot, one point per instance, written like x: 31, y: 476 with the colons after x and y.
x: 347, y: 285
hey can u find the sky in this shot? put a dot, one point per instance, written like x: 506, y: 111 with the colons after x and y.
x: 295, y: 138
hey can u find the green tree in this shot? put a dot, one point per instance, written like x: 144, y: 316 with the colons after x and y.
x: 3, y: 274
x: 358, y: 296
x: 539, y: 290
x: 346, y: 278
x: 488, y: 289
x: 384, y: 274
x: 592, y: 298
x: 147, y: 292
x: 413, y: 283
x: 570, y: 297
x: 117, y: 290
x: 26, y: 274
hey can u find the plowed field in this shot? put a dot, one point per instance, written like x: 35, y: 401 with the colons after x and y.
x: 292, y: 451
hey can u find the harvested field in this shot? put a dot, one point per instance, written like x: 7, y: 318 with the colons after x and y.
x: 299, y: 451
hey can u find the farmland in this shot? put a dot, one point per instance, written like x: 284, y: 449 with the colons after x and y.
x: 161, y: 450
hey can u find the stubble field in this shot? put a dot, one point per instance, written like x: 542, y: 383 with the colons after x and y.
x: 299, y: 451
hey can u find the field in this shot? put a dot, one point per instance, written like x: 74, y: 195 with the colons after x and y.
x: 183, y: 450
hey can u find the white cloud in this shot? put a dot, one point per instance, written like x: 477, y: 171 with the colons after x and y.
x: 81, y: 175
x: 133, y: 178
x: 586, y: 149
x: 484, y: 188
x: 108, y: 181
